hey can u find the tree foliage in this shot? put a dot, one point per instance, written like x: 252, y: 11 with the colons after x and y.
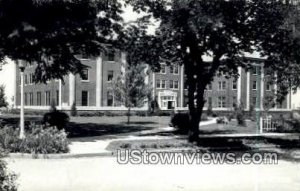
x: 3, y: 102
x: 130, y: 88
x: 209, y: 37
x: 52, y: 33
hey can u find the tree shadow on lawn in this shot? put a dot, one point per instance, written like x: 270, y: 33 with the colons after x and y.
x: 284, y: 148
x: 81, y: 130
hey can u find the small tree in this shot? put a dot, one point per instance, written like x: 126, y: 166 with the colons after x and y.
x: 130, y: 88
x: 240, y: 114
x: 73, y: 110
x: 7, y: 179
x: 3, y: 102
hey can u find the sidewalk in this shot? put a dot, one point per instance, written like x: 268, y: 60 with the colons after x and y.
x: 99, y: 146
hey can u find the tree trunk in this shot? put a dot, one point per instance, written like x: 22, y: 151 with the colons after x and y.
x: 128, y: 116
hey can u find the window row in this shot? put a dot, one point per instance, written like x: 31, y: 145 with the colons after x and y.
x: 162, y: 84
x: 30, y: 97
x: 173, y: 69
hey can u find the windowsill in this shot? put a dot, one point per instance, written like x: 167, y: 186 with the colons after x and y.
x: 85, y: 81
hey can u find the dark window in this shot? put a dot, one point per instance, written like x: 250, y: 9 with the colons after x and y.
x: 209, y: 87
x: 111, y: 55
x: 234, y: 84
x: 30, y: 98
x: 110, y: 99
x: 26, y: 80
x: 171, y: 70
x: 25, y: 99
x: 222, y: 102
x: 254, y: 85
x: 268, y: 86
x: 254, y: 101
x: 57, y: 97
x: 84, y: 98
x: 171, y: 84
x: 163, y: 84
x: 85, y: 75
x: 110, y: 75
x: 163, y: 69
x: 176, y: 69
x: 209, y: 101
x: 39, y: 98
x: 176, y: 84
x: 48, y: 98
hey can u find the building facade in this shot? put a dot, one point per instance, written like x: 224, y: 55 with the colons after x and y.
x: 94, y: 91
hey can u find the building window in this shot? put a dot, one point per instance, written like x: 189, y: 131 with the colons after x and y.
x: 171, y: 84
x: 234, y: 85
x: 176, y: 84
x: 254, y: 85
x: 256, y: 70
x: 234, y: 102
x: 158, y: 84
x: 222, y: 85
x: 163, y: 84
x: 222, y: 102
x: 110, y: 75
x: 254, y: 101
x: 209, y: 87
x: 30, y: 98
x: 174, y: 69
x: 39, y: 98
x: 84, y: 98
x: 85, y: 75
x: 57, y: 97
x: 26, y: 80
x: 110, y: 99
x: 111, y: 55
x: 268, y: 87
x: 25, y: 99
x: 48, y: 98
x: 163, y: 69
x: 209, y: 101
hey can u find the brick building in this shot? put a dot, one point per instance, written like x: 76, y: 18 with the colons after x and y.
x: 93, y: 92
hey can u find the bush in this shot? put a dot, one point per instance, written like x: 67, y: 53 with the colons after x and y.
x: 240, y: 115
x: 45, y: 141
x: 56, y: 119
x: 220, y: 120
x: 38, y: 140
x: 209, y: 111
x: 9, y: 139
x: 7, y: 179
x: 73, y: 110
x: 181, y: 122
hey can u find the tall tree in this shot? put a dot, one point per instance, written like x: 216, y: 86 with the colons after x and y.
x: 3, y: 102
x: 208, y: 37
x: 130, y: 88
x: 51, y: 33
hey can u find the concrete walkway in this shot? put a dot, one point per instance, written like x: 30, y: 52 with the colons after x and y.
x: 84, y: 146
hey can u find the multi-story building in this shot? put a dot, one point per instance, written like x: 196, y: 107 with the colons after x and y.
x: 94, y: 90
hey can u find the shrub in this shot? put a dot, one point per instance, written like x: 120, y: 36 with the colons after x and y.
x: 240, y: 115
x: 204, y: 117
x: 210, y: 111
x: 141, y: 113
x: 38, y: 140
x: 220, y: 120
x: 9, y: 139
x: 214, y: 115
x: 45, y: 141
x: 181, y: 122
x: 7, y: 179
x: 56, y: 118
x: 73, y: 110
